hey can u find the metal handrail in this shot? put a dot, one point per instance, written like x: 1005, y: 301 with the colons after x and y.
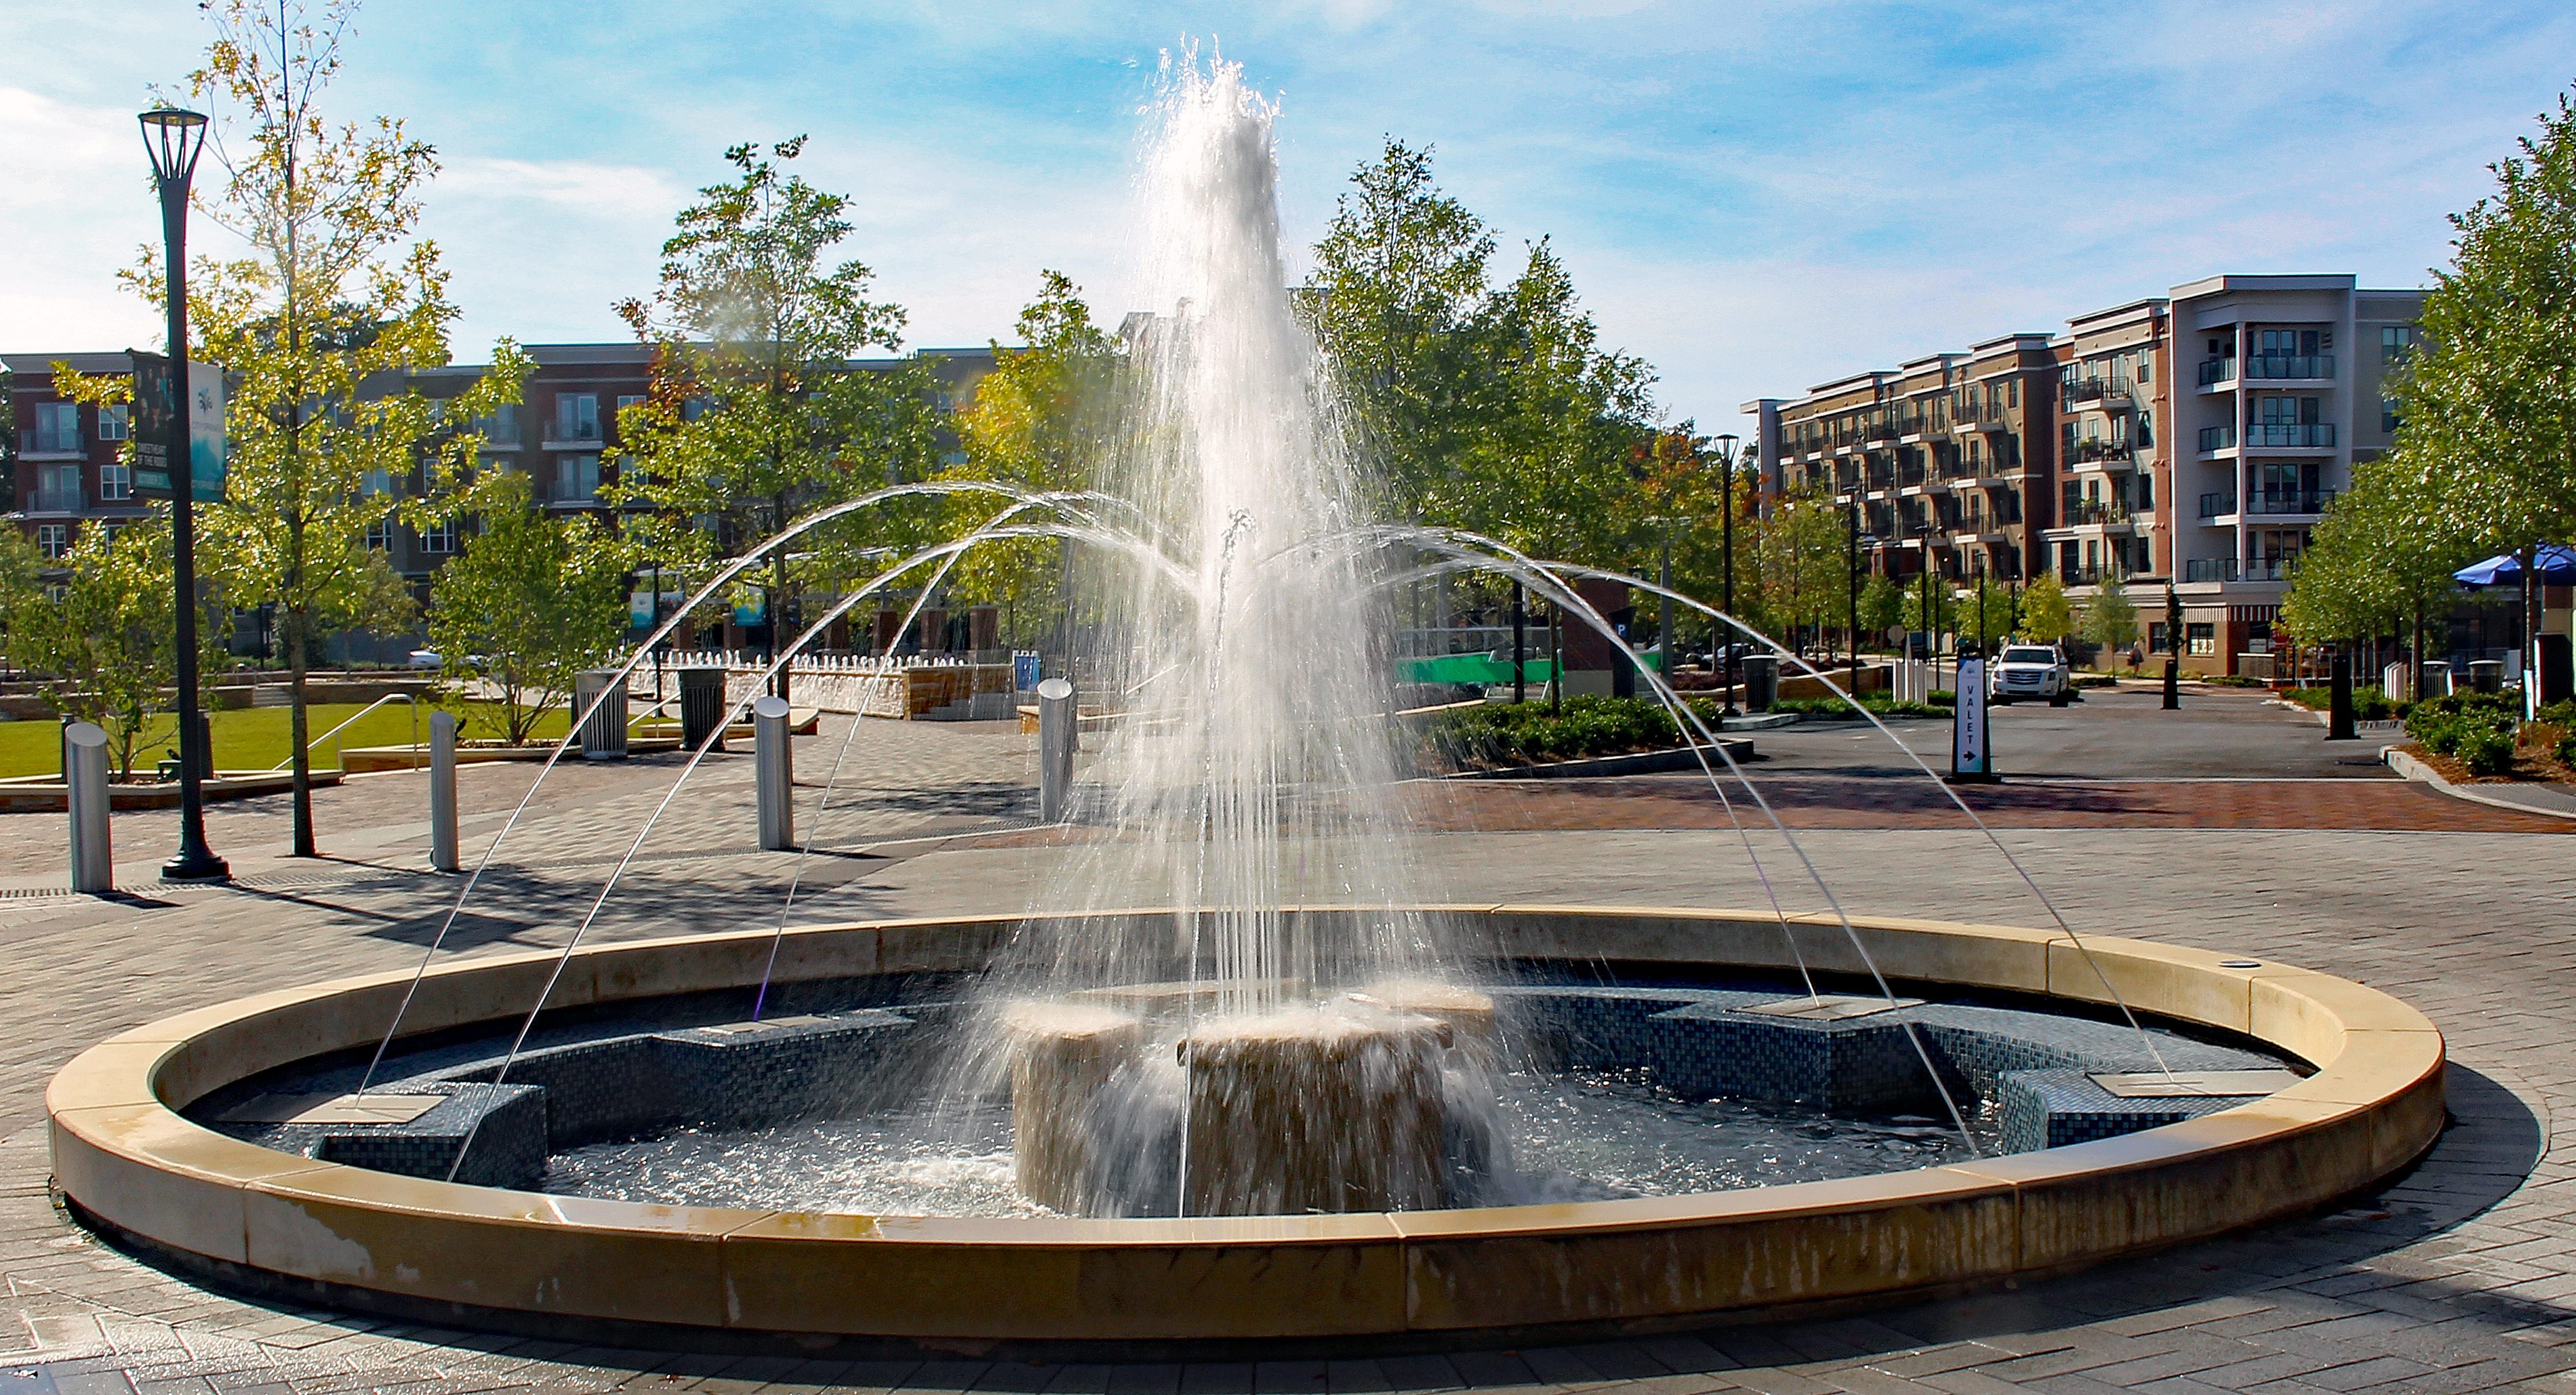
x: 412, y: 699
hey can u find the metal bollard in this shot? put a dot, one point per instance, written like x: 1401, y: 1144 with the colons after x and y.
x: 774, y: 771
x: 442, y: 791
x: 603, y: 737
x: 85, y: 794
x: 1057, y: 732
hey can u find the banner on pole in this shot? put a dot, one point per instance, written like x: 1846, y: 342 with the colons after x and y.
x: 154, y: 405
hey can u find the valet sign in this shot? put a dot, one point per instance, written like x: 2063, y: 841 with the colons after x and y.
x: 1969, y: 757
x: 154, y: 405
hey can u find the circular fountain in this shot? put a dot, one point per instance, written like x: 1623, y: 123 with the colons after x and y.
x: 1241, y: 1119
x: 133, y: 1160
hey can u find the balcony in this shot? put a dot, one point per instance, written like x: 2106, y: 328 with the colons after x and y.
x: 2217, y: 438
x: 2095, y: 450
x: 1915, y: 428
x: 2217, y: 505
x: 2217, y: 370
x: 54, y: 501
x: 2311, y: 502
x: 572, y: 435
x: 1978, y: 419
x: 2299, y: 435
x: 2097, y: 394
x: 2096, y: 512
x: 1882, y: 432
x: 2292, y: 367
x: 2229, y: 569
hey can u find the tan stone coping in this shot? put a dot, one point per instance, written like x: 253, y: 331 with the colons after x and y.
x: 123, y: 1154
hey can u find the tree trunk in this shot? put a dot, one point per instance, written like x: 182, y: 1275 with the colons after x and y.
x: 296, y: 658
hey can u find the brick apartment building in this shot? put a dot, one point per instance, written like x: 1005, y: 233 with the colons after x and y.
x: 563, y: 434
x: 2193, y: 438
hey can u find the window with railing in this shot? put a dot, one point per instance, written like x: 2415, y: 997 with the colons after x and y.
x: 576, y: 416
x: 112, y: 422
x: 56, y: 428
x: 2290, y: 366
x: 58, y: 489
x: 501, y: 429
x: 2217, y: 370
x: 115, y: 482
x: 576, y: 479
x: 2217, y: 504
x: 2217, y: 438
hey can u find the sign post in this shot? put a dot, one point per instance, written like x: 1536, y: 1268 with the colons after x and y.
x: 1971, y: 757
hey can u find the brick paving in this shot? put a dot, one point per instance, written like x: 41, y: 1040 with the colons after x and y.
x: 2461, y: 1276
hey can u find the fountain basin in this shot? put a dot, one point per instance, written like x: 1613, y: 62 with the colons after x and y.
x: 751, y: 1278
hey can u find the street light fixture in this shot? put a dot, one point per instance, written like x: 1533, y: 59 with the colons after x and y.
x: 174, y: 139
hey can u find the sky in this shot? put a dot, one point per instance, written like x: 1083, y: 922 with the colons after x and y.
x: 1753, y: 197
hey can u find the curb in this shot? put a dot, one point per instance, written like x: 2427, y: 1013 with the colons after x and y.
x: 2418, y: 771
x: 1641, y: 763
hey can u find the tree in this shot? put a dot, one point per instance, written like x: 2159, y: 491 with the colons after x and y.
x: 2486, y: 448
x: 1802, y: 556
x: 757, y: 416
x: 1042, y: 420
x: 22, y: 589
x: 530, y: 602
x: 2045, y: 615
x: 1943, y: 608
x: 1882, y: 606
x: 318, y: 327
x: 108, y: 637
x: 1984, y: 612
x: 2110, y: 620
x: 1491, y: 409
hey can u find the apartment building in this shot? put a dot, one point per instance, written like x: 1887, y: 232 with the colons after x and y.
x: 2193, y: 438
x: 563, y: 435
x: 1947, y: 457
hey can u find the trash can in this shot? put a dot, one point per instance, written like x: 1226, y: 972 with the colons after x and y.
x: 1761, y: 681
x: 603, y: 736
x: 702, y: 705
x: 2436, y: 682
x: 2486, y: 675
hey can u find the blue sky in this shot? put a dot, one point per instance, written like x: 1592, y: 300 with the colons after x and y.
x: 1753, y: 197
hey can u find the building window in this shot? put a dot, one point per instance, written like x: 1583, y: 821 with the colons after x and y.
x: 2395, y: 343
x: 502, y: 427
x: 439, y: 537
x: 111, y: 422
x: 624, y: 401
x: 54, y: 540
x: 57, y: 427
x: 380, y: 534
x: 58, y: 489
x: 2146, y: 493
x: 114, y: 531
x: 576, y: 416
x: 2200, y: 639
x: 2388, y: 419
x: 115, y: 482
x: 2156, y: 636
x: 576, y: 479
x: 375, y: 484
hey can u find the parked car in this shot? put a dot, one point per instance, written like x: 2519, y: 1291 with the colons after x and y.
x: 2031, y: 671
x: 426, y: 658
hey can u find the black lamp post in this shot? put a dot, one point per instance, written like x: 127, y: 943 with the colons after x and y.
x: 174, y: 138
x: 1727, y: 445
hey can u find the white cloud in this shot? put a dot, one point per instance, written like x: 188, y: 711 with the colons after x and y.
x: 76, y: 201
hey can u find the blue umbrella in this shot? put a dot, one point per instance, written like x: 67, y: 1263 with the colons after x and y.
x: 2557, y: 568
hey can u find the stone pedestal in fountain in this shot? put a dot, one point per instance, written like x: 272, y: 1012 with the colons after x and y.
x: 1333, y: 1108
x: 1062, y: 1056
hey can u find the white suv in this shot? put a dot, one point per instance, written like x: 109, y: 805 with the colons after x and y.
x: 2031, y: 671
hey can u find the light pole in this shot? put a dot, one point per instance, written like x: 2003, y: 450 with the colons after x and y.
x: 174, y: 139
x: 1727, y: 445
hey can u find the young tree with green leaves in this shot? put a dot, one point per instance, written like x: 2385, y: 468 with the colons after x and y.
x: 530, y: 602
x: 1802, y: 556
x: 1984, y: 612
x: 108, y: 640
x: 1494, y: 409
x: 1882, y: 606
x: 2046, y: 617
x: 336, y: 300
x: 2110, y: 620
x: 1043, y: 419
x: 757, y: 416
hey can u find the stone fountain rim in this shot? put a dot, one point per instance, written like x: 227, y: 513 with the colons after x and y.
x: 127, y: 1159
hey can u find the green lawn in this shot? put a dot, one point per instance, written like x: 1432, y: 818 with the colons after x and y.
x: 255, y: 738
